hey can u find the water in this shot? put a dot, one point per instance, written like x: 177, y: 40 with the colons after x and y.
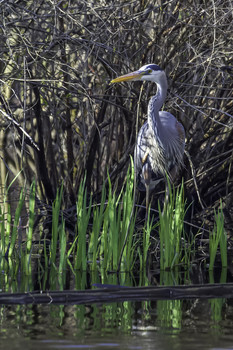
x: 196, y: 324
x: 134, y: 342
x: 161, y: 324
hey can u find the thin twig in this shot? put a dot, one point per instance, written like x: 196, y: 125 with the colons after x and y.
x: 20, y: 129
x: 194, y: 178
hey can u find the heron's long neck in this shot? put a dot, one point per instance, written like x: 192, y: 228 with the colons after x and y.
x: 155, y: 105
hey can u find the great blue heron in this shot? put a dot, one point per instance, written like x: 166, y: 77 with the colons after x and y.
x: 161, y: 140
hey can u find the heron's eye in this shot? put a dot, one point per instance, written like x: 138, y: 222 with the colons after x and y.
x: 149, y: 71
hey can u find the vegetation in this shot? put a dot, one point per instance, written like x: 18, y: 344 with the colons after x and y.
x: 218, y: 238
x: 67, y: 136
x: 61, y: 119
x: 103, y: 232
x: 171, y: 228
x: 106, y: 235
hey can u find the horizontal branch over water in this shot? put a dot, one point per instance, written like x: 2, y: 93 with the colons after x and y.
x: 117, y: 294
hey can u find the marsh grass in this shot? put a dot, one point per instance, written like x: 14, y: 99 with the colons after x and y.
x: 6, y: 221
x: 106, y: 235
x: 16, y: 222
x: 83, y: 219
x: 32, y: 215
x: 94, y: 248
x: 62, y: 247
x: 30, y: 228
x: 218, y: 239
x: 171, y: 228
x: 146, y: 242
x: 104, y: 232
x: 55, y: 225
x: 104, y: 227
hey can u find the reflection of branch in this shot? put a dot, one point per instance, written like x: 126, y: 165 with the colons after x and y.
x: 28, y: 139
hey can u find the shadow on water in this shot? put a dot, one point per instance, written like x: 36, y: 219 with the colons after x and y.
x: 110, y: 311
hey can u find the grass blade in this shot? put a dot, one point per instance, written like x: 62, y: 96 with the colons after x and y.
x: 55, y: 224
x: 31, y: 216
x: 16, y: 222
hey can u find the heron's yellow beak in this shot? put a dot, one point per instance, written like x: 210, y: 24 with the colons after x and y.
x: 127, y: 77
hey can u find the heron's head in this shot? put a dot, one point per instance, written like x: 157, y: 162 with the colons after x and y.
x: 150, y: 72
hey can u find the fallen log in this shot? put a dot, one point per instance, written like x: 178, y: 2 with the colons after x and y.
x: 110, y: 293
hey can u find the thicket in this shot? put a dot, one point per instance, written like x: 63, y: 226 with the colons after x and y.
x: 61, y: 119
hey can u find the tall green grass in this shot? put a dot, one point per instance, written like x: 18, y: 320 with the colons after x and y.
x: 105, y: 235
x: 16, y: 222
x: 83, y: 218
x: 55, y: 226
x: 218, y: 239
x: 7, y: 245
x: 97, y: 246
x: 30, y: 228
x: 104, y: 228
x: 171, y: 227
x: 104, y: 232
x: 146, y: 241
x: 32, y: 214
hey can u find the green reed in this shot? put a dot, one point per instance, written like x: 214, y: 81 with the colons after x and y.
x: 62, y: 247
x: 105, y: 234
x: 116, y: 241
x: 146, y: 241
x: 112, y: 225
x: 55, y: 225
x: 6, y: 220
x: 16, y: 222
x: 103, y: 228
x: 127, y: 224
x: 10, y: 226
x: 171, y: 227
x: 32, y: 214
x: 98, y: 219
x: 3, y: 242
x: 30, y: 228
x: 83, y: 218
x: 218, y: 238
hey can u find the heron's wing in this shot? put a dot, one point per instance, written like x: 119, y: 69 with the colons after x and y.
x: 159, y: 155
x: 172, y: 135
x: 171, y: 127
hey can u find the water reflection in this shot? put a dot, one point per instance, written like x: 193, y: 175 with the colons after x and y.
x: 129, y: 325
x: 162, y: 324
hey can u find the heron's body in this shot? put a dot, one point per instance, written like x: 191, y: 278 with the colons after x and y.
x: 163, y: 153
x: 161, y: 140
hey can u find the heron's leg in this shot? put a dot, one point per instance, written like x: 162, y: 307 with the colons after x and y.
x: 166, y: 198
x: 147, y: 197
x: 173, y: 173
